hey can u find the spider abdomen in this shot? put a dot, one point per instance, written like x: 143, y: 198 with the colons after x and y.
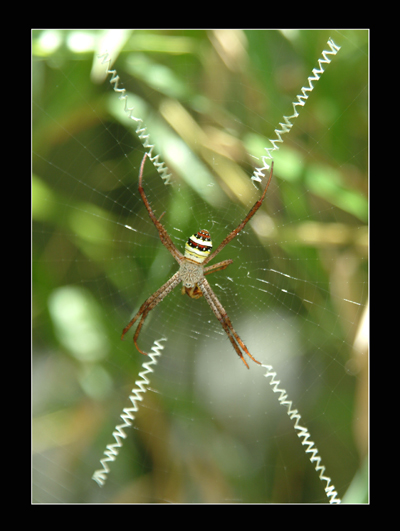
x: 198, y: 246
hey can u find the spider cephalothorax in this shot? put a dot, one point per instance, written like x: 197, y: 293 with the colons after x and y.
x: 192, y: 272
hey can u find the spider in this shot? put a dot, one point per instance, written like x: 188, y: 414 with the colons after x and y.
x: 192, y: 271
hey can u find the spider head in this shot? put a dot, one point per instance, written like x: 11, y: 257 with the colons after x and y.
x: 198, y: 246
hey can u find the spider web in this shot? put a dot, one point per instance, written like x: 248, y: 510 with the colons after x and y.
x: 208, y: 430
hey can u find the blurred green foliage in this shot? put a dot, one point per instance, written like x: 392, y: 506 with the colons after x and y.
x: 210, y: 100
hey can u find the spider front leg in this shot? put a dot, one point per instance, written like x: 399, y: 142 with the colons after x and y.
x: 223, y: 318
x: 148, y: 305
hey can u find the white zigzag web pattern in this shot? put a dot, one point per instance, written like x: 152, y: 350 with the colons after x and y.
x: 127, y: 416
x: 258, y: 173
x: 301, y: 101
x: 141, y: 130
x: 112, y: 450
x: 303, y: 432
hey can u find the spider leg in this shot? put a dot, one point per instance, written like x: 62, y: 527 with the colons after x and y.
x: 236, y: 231
x: 217, y: 267
x: 223, y: 318
x: 164, y: 236
x: 144, y: 315
x: 149, y: 304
